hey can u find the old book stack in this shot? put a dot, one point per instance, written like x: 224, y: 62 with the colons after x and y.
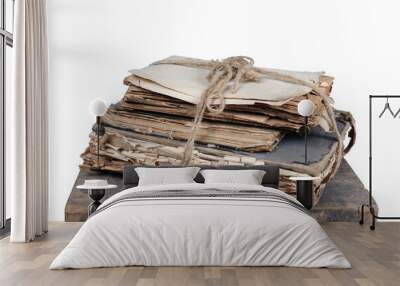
x: 259, y: 125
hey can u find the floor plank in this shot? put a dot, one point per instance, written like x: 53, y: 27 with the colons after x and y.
x: 375, y: 257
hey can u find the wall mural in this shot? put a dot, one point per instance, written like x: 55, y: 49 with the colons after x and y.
x: 242, y: 115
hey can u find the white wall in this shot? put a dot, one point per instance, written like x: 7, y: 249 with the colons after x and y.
x: 94, y: 43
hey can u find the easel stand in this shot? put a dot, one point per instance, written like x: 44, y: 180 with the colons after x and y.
x: 369, y: 205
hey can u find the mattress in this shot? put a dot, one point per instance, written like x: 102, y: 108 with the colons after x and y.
x: 201, y: 225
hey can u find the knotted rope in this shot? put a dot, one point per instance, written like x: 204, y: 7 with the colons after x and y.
x: 230, y: 73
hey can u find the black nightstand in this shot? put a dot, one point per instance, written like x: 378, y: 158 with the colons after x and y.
x: 304, y: 187
x: 96, y: 194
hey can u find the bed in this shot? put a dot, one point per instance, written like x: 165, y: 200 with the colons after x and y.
x: 201, y: 224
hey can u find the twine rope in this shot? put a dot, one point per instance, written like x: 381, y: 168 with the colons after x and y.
x: 229, y: 73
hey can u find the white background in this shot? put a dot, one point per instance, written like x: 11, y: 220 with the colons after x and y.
x: 93, y: 43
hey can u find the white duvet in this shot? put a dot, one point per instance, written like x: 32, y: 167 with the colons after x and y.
x: 200, y: 231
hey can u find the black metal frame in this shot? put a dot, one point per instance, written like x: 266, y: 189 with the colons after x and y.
x: 99, y: 129
x: 305, y: 131
x: 306, y: 140
x: 369, y: 205
x: 6, y: 39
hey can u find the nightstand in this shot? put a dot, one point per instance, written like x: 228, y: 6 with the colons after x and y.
x: 96, y: 193
x: 304, y: 187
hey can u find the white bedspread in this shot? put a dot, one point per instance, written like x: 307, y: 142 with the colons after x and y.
x: 200, y: 231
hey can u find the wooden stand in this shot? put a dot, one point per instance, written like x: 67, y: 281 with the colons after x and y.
x: 339, y: 202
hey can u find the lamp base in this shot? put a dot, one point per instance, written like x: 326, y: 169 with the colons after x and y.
x: 303, y: 129
x: 98, y: 129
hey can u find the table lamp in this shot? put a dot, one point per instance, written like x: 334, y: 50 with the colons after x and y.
x: 98, y: 108
x: 305, y: 108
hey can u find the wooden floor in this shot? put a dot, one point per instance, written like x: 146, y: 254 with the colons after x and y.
x: 375, y: 257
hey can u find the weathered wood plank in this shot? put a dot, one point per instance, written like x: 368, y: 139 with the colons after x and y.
x: 339, y: 202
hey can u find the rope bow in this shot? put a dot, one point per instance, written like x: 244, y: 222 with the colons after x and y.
x: 233, y: 70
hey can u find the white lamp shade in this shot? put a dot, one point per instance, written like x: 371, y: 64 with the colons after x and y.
x: 98, y: 107
x: 305, y: 107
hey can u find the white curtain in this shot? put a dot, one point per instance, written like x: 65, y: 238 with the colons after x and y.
x: 28, y: 116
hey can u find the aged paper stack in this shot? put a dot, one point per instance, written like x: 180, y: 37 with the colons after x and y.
x: 259, y: 124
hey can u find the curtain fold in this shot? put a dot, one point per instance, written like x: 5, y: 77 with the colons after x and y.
x: 29, y: 142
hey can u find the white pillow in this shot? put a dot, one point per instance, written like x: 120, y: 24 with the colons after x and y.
x: 166, y: 176
x: 247, y: 177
